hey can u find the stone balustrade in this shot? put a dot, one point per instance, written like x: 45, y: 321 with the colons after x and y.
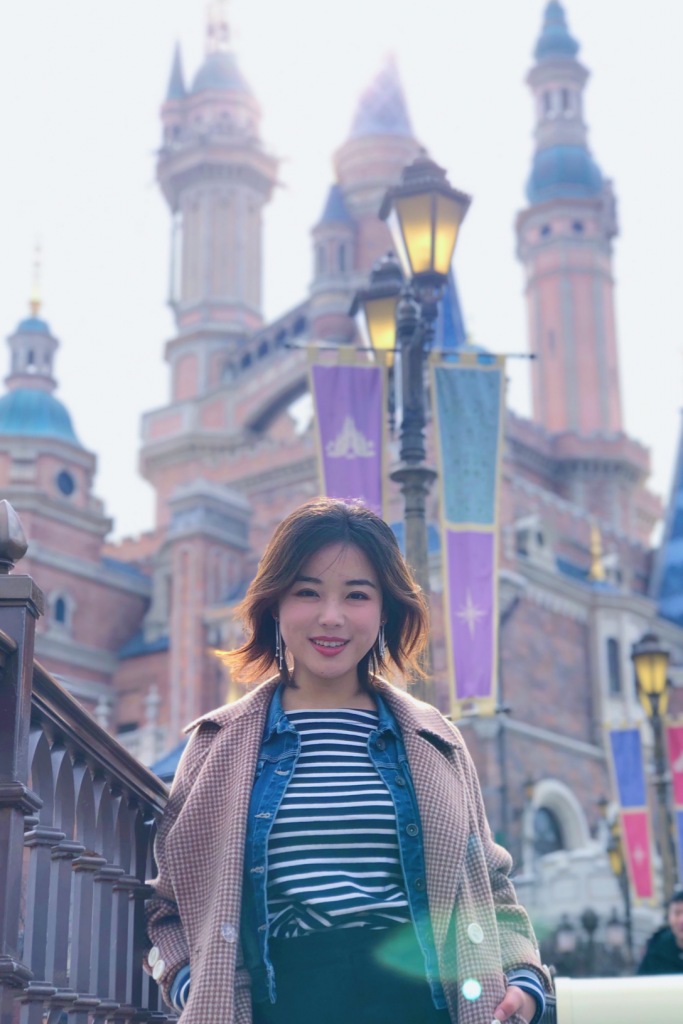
x: 78, y: 815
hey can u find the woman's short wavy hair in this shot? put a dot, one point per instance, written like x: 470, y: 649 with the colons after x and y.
x: 305, y: 531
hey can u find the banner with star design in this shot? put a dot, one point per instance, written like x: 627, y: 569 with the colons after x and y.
x: 468, y: 399
x: 626, y: 752
x: 674, y: 736
x: 349, y: 400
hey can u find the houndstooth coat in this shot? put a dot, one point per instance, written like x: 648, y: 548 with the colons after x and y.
x: 480, y: 930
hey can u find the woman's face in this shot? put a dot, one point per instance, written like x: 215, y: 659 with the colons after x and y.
x: 331, y: 616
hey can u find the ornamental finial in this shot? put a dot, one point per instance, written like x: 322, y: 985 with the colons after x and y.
x: 13, y: 543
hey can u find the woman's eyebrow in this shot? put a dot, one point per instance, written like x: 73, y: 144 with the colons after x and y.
x: 308, y: 579
x: 361, y: 583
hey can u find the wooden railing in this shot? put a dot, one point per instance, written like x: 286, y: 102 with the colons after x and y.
x: 78, y: 815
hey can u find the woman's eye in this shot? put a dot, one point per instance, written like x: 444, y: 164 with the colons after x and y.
x: 305, y: 593
x: 359, y: 594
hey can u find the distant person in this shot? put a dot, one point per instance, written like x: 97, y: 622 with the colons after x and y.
x: 664, y: 953
x: 324, y: 855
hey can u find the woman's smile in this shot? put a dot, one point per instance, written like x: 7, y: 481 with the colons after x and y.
x: 328, y: 646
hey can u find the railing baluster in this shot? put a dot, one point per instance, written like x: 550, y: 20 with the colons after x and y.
x: 85, y: 868
x: 21, y: 602
x: 103, y: 936
x: 40, y: 841
x: 62, y: 855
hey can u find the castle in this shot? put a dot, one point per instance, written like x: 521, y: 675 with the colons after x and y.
x: 132, y: 629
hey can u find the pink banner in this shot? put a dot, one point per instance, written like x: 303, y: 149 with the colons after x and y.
x: 675, y: 744
x: 636, y: 835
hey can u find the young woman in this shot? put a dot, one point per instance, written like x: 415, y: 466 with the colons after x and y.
x: 324, y: 854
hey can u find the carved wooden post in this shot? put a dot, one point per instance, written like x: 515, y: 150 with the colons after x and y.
x: 21, y: 602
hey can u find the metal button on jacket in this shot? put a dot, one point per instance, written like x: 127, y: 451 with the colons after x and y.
x: 400, y: 781
x: 159, y: 969
x: 419, y: 884
x: 381, y: 744
x: 412, y: 829
x: 153, y: 956
x: 475, y: 933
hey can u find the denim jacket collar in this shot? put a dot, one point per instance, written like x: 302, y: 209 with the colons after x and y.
x: 276, y: 719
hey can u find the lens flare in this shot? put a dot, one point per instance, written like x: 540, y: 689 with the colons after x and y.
x: 471, y: 989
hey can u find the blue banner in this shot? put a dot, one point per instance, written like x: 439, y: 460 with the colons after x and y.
x: 627, y: 756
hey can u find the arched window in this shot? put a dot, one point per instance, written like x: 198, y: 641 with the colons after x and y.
x: 321, y: 258
x: 60, y: 610
x: 246, y: 360
x: 547, y: 832
x: 299, y: 327
x: 567, y: 103
x: 341, y: 258
x: 263, y: 349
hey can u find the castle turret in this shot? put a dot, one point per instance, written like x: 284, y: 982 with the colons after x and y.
x: 565, y: 243
x: 216, y: 178
x: 350, y: 237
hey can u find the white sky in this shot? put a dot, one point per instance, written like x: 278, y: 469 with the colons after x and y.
x: 81, y: 82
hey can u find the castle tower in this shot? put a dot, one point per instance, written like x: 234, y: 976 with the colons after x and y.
x: 350, y: 236
x: 565, y: 243
x: 216, y: 178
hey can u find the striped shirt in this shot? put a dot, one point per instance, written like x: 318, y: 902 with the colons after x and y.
x: 333, y: 853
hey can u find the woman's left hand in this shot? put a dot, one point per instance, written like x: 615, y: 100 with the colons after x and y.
x: 516, y: 1001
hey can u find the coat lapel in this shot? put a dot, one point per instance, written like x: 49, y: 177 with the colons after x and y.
x: 431, y: 746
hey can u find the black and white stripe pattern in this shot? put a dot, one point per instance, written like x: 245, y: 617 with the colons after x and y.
x: 333, y: 854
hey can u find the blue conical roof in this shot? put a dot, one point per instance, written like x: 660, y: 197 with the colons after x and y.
x: 335, y: 211
x: 176, y: 83
x: 667, y: 583
x: 555, y: 40
x: 382, y: 108
x: 450, y: 325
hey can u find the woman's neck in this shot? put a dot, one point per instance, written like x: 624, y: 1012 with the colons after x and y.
x: 314, y: 692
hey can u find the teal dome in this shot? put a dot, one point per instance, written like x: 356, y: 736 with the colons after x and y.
x: 563, y: 172
x: 220, y: 71
x: 33, y: 325
x: 555, y: 40
x: 30, y: 412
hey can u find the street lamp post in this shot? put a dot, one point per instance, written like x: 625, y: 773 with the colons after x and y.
x: 617, y: 862
x: 651, y: 661
x: 424, y: 214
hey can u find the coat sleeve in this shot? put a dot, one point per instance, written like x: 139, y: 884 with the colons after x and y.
x: 164, y: 927
x: 518, y: 944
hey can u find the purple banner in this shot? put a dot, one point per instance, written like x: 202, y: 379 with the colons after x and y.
x: 470, y: 564
x: 349, y: 412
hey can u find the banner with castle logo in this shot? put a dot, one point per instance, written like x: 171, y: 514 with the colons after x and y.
x: 349, y: 396
x: 468, y: 397
x: 674, y: 734
x: 626, y: 751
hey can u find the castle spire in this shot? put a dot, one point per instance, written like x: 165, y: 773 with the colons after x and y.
x: 176, y: 83
x: 35, y: 299
x: 382, y: 109
x: 217, y: 27
x: 555, y: 40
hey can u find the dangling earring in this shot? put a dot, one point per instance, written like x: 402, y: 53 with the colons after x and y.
x: 380, y: 643
x: 279, y: 645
